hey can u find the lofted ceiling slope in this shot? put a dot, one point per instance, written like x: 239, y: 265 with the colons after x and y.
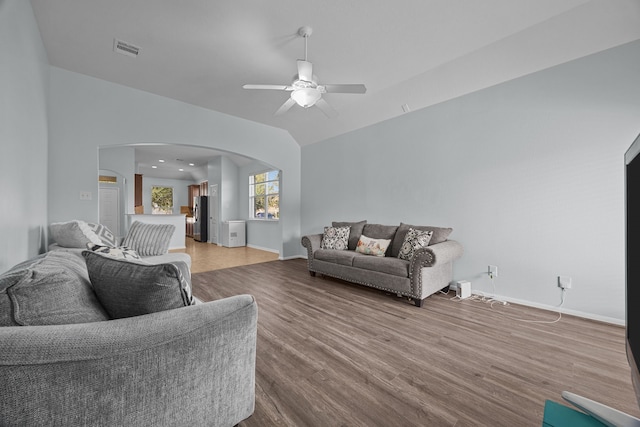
x: 411, y: 53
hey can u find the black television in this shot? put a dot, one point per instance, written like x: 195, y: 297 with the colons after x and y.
x: 602, y: 413
x: 632, y: 262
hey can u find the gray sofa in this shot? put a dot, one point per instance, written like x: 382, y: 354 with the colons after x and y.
x: 429, y: 270
x: 66, y: 361
x: 150, y: 242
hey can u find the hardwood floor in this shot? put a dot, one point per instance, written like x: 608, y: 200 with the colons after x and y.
x: 334, y: 354
x: 208, y: 257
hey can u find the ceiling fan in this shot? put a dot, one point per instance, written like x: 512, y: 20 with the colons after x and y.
x: 305, y: 90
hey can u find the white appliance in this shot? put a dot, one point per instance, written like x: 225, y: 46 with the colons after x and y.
x: 234, y: 234
x: 464, y: 289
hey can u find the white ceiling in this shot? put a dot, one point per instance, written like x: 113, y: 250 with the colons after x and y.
x: 413, y: 52
x: 168, y: 159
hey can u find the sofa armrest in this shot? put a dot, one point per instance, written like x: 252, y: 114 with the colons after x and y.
x: 312, y: 242
x: 431, y: 269
x: 440, y: 253
x: 186, y: 366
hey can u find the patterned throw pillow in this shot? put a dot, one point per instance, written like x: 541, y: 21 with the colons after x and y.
x: 369, y: 246
x: 107, y: 237
x: 120, y: 252
x: 414, y: 240
x: 335, y: 238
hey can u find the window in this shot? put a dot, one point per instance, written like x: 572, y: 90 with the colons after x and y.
x: 161, y: 200
x: 264, y: 195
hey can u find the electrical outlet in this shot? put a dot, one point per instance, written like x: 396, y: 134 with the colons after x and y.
x: 493, y: 271
x: 564, y: 282
x: 85, y: 195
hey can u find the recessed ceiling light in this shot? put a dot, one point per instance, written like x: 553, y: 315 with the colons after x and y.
x: 154, y: 167
x: 161, y: 161
x: 181, y: 170
x: 192, y: 164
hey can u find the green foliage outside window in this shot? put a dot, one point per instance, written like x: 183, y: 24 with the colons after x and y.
x: 162, y: 200
x: 264, y: 192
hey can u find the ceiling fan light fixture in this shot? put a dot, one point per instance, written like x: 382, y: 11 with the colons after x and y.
x: 306, y: 97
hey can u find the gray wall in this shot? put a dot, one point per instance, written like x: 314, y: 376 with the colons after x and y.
x: 528, y: 173
x: 223, y: 172
x: 91, y: 113
x: 23, y: 134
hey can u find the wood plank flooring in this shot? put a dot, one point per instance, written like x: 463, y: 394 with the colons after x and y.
x: 208, y: 257
x: 331, y: 353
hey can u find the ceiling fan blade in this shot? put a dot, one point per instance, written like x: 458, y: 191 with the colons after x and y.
x: 305, y: 70
x: 273, y: 87
x: 327, y: 109
x: 285, y: 107
x: 345, y: 88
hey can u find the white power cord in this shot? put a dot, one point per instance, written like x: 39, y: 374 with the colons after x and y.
x: 493, y: 299
x: 480, y: 297
x: 548, y: 322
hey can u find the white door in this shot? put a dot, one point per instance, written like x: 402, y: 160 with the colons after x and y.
x: 110, y: 209
x: 213, y: 213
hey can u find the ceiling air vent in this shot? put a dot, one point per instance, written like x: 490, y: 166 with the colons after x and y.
x: 125, y: 48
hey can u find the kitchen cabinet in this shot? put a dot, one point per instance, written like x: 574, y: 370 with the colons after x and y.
x: 137, y: 194
x: 194, y: 191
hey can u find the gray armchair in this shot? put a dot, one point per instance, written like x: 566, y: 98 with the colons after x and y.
x: 190, y: 366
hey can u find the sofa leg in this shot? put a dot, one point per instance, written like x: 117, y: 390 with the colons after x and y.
x: 312, y: 273
x: 417, y: 302
x: 445, y: 289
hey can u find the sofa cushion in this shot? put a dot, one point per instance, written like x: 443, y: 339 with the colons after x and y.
x: 335, y: 256
x: 73, y: 234
x: 335, y: 238
x: 121, y: 252
x: 388, y: 265
x: 414, y: 240
x: 379, y: 231
x: 106, y: 235
x: 51, y: 289
x: 354, y: 233
x: 440, y: 234
x: 131, y: 288
x: 375, y: 247
x: 149, y: 239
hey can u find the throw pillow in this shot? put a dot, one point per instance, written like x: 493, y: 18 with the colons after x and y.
x: 369, y: 246
x: 51, y: 289
x: 414, y: 240
x: 73, y: 234
x: 335, y: 238
x: 380, y: 231
x: 107, y: 237
x: 440, y: 234
x: 149, y: 239
x: 132, y: 288
x: 121, y: 252
x: 354, y: 233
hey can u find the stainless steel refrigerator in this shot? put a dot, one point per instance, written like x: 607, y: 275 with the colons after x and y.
x: 201, y: 218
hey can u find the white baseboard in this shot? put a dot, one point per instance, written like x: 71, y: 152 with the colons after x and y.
x: 291, y: 257
x: 273, y: 251
x: 556, y: 309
